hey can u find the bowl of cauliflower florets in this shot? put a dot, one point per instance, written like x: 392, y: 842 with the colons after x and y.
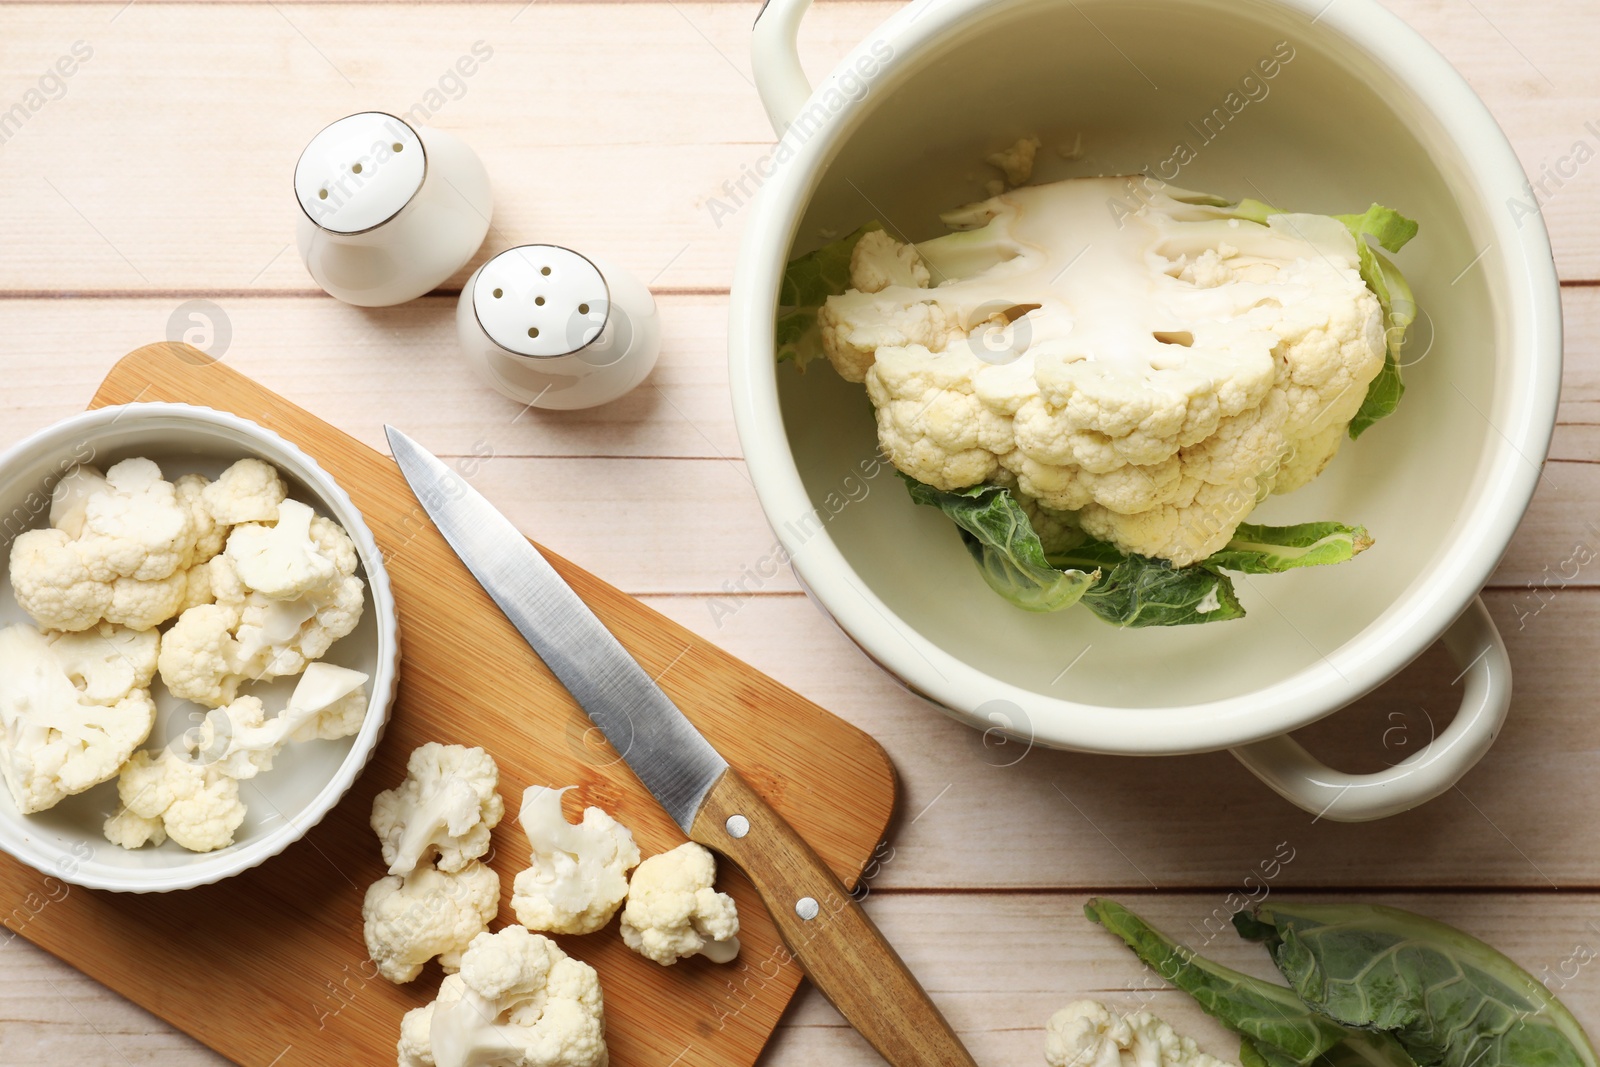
x: 198, y: 646
x: 1148, y: 420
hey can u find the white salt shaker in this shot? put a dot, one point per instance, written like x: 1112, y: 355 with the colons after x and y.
x: 388, y: 212
x: 551, y: 328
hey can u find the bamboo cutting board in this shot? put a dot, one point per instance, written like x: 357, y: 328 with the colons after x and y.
x: 269, y: 967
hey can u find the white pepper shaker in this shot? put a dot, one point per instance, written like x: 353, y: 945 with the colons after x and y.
x: 551, y: 328
x: 389, y: 212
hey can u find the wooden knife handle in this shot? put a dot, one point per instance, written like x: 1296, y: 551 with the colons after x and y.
x: 827, y: 933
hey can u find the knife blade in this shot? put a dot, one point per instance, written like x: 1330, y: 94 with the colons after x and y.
x: 824, y: 928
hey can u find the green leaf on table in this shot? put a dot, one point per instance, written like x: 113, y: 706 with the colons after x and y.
x: 1446, y: 997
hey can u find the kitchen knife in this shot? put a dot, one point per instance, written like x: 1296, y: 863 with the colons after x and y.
x: 826, y: 932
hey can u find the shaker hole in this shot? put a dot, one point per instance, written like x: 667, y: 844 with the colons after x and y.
x: 498, y: 293
x: 533, y: 331
x: 322, y: 194
x: 356, y: 169
x: 544, y: 270
x: 539, y: 300
x: 583, y: 309
x: 398, y: 147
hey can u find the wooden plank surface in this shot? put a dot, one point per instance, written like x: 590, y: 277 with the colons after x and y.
x: 466, y: 677
x: 156, y: 179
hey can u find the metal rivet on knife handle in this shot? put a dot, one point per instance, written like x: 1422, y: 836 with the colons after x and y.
x: 738, y: 826
x: 827, y: 932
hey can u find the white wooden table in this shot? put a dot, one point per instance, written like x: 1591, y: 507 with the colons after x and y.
x: 158, y: 174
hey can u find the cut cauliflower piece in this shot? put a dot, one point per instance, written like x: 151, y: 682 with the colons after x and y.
x: 280, y: 561
x: 518, y: 1001
x: 197, y: 805
x: 119, y: 553
x: 242, y: 634
x: 673, y: 912
x: 578, y: 874
x: 1088, y: 1034
x: 189, y: 791
x: 1016, y: 161
x: 447, y: 805
x: 248, y: 491
x: 1128, y: 351
x: 135, y: 527
x: 70, y: 497
x: 52, y: 582
x: 134, y: 831
x: 70, y: 717
x: 209, y: 535
x: 410, y: 919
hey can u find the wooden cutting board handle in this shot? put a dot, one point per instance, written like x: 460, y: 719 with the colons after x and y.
x: 826, y: 931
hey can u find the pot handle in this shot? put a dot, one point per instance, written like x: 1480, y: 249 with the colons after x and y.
x: 1299, y: 777
x: 775, y: 59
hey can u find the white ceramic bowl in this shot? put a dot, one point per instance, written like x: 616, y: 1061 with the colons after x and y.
x: 308, y: 778
x: 1365, y: 110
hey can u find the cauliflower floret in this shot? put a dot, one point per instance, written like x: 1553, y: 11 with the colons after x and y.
x: 135, y: 527
x: 1127, y: 352
x: 192, y: 795
x: 578, y: 875
x: 447, y: 804
x: 328, y: 703
x: 879, y: 261
x: 410, y: 919
x: 52, y: 583
x: 117, y: 551
x: 197, y: 804
x: 248, y: 491
x: 280, y: 561
x: 71, y: 716
x: 134, y: 831
x: 1016, y: 162
x: 70, y: 497
x: 415, y: 1048
x: 1088, y: 1034
x: 244, y: 635
x: 519, y: 1001
x: 673, y: 911
x: 200, y: 659
x: 209, y: 535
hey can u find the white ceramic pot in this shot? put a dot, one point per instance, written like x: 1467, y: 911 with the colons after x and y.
x: 388, y: 212
x: 1357, y: 108
x: 309, y: 777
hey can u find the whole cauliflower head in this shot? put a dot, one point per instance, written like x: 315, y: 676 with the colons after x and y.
x: 1086, y: 1033
x: 118, y: 550
x: 1125, y: 351
x: 578, y: 874
x: 519, y: 1001
x: 673, y: 911
x: 413, y: 918
x: 73, y: 707
x: 446, y: 805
